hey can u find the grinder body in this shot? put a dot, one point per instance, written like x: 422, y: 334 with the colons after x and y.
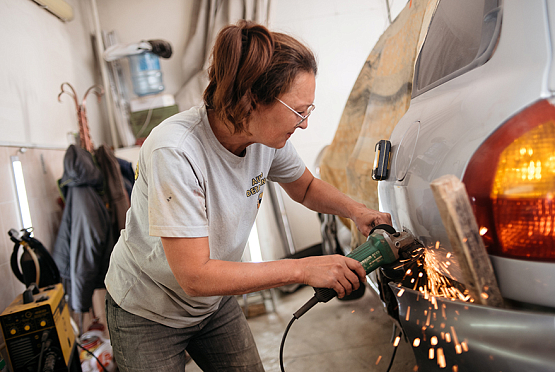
x: 382, y: 247
x: 375, y: 252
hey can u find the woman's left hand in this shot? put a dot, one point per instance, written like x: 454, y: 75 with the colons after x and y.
x: 366, y: 219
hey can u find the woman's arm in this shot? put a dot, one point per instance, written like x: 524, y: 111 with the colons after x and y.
x: 322, y: 197
x: 198, y: 275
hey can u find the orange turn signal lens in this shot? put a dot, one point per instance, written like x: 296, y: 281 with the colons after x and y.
x: 518, y: 215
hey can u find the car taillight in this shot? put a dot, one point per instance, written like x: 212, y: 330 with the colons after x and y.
x: 511, y: 183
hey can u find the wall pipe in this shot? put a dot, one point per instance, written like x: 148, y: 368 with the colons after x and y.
x: 104, y: 73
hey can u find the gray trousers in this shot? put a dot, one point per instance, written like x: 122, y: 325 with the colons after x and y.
x: 221, y: 342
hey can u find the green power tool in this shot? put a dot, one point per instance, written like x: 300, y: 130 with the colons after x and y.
x: 382, y: 247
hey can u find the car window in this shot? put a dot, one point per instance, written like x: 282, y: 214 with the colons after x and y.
x: 461, y: 36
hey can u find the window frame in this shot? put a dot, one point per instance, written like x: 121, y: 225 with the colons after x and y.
x: 481, y: 57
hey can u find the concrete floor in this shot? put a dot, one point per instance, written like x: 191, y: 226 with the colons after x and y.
x: 335, y: 336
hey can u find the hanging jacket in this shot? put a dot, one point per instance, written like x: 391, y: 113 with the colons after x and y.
x: 116, y: 195
x: 85, y: 240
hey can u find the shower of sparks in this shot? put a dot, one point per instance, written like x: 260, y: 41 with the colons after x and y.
x: 439, y: 285
x: 430, y: 275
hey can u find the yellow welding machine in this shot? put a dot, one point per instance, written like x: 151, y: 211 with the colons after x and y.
x: 37, y: 330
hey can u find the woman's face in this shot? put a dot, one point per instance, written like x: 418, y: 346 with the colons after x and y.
x: 273, y: 125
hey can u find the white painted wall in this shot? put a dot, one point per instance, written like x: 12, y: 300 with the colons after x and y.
x: 342, y: 35
x: 39, y: 53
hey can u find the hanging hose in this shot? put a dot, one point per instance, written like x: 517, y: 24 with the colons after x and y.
x: 35, y: 260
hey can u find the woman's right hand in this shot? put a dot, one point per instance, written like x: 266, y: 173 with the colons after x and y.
x: 340, y: 273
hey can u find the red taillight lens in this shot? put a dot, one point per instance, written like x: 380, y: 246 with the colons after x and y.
x: 511, y: 183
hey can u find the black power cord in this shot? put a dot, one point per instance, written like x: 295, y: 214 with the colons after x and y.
x: 90, y: 352
x: 295, y: 317
x: 283, y: 343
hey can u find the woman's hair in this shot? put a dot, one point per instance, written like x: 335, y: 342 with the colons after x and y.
x: 252, y: 66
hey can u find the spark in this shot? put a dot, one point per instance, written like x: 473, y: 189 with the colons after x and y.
x: 352, y: 312
x: 448, y: 337
x: 431, y: 353
x: 433, y: 341
x: 483, y: 231
x: 455, y: 368
x: 401, y: 292
x: 396, y: 342
x: 408, y: 314
x: 441, y: 358
x: 416, y: 342
x: 464, y: 346
x: 378, y: 361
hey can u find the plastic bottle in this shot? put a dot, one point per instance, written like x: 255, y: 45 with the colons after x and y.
x: 146, y: 74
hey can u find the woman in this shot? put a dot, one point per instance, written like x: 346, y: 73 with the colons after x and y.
x: 200, y: 180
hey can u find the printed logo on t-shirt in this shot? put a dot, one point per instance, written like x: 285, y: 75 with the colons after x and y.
x: 257, y: 183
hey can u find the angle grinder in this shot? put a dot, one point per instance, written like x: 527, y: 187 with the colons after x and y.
x: 383, y: 246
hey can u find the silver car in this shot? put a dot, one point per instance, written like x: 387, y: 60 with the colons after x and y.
x: 482, y: 109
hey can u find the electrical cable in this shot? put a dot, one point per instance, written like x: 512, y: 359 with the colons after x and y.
x: 283, y: 343
x: 44, y: 340
x: 90, y: 352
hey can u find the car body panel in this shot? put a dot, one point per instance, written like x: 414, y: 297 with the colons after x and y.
x: 491, y: 339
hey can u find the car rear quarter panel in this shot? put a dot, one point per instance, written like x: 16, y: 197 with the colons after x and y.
x: 457, y: 116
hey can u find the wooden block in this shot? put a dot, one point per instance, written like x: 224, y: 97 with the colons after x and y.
x: 256, y: 310
x: 457, y: 216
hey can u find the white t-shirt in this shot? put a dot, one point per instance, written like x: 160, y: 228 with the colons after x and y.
x: 189, y: 185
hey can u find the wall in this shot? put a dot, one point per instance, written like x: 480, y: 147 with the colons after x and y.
x: 40, y: 52
x: 342, y: 35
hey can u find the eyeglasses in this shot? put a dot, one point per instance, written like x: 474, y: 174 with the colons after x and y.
x: 303, y: 117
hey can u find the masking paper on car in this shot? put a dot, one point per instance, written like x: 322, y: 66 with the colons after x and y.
x: 379, y: 98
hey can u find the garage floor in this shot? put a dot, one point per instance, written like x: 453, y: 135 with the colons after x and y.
x: 335, y: 336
